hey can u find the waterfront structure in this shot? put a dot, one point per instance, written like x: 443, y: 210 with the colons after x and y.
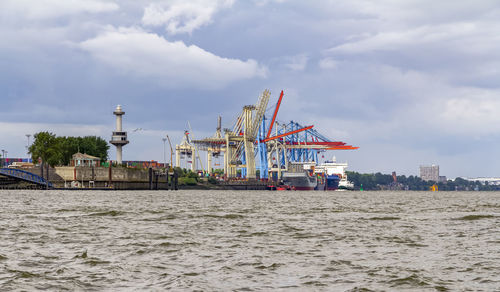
x: 251, y: 139
x: 485, y: 180
x: 331, y: 169
x: 214, y: 145
x: 119, y: 137
x: 82, y: 159
x: 185, y: 149
x: 429, y: 173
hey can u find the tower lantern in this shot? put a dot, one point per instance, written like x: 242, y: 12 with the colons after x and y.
x: 119, y: 137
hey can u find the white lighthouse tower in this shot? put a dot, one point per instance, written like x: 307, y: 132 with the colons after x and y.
x: 119, y: 137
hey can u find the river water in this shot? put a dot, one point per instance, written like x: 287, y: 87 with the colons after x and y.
x: 249, y: 240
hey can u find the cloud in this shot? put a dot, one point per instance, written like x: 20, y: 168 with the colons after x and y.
x: 266, y: 2
x: 423, y: 101
x: 183, y: 16
x: 144, y: 145
x: 396, y: 40
x: 297, y: 63
x: 47, y: 9
x: 476, y: 112
x: 14, y: 134
x: 173, y: 64
x: 327, y: 63
x: 409, y: 81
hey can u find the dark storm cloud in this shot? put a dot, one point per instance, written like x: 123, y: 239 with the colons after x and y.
x: 405, y: 80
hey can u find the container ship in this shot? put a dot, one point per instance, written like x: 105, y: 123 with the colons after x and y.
x: 300, y: 176
x: 328, y: 176
x: 327, y: 182
x: 335, y: 176
x: 301, y: 181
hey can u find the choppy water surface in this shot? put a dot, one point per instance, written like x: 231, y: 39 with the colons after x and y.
x: 249, y: 240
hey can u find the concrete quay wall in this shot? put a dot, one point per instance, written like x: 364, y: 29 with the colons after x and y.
x: 80, y: 173
x: 97, y: 174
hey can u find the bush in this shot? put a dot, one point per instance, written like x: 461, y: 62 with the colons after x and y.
x: 192, y: 175
x: 179, y: 171
x: 189, y: 181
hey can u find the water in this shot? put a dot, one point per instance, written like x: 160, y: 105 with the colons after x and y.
x: 249, y: 240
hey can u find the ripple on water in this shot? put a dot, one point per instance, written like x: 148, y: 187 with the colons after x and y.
x: 272, y: 266
x: 249, y: 240
x: 96, y: 261
x: 23, y: 274
x: 384, y: 218
x: 107, y: 213
x: 475, y: 217
x: 225, y: 216
x: 411, y: 281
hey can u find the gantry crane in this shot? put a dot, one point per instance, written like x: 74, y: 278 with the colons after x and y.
x: 291, y: 142
x: 186, y: 148
x: 240, y: 148
x: 213, y: 145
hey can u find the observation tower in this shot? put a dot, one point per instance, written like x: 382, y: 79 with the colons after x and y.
x: 119, y: 137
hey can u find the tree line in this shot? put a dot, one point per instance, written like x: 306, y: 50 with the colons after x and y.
x: 379, y: 181
x: 58, y: 150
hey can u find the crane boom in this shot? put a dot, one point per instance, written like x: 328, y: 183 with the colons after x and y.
x: 171, y: 150
x: 287, y: 133
x: 260, y: 108
x: 274, y: 115
x: 348, y: 147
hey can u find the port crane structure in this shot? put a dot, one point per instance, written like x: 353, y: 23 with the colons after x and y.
x: 251, y: 138
x: 185, y: 149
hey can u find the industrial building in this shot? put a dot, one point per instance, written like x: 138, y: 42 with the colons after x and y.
x: 431, y: 173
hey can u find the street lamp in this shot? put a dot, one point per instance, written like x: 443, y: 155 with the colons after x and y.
x: 164, y: 153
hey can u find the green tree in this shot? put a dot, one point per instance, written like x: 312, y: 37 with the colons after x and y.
x: 47, y: 148
x: 192, y: 175
x: 179, y: 171
x: 59, y: 150
x: 91, y: 145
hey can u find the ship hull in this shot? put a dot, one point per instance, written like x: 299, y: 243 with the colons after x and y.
x: 300, y: 181
x: 332, y: 182
x: 304, y: 188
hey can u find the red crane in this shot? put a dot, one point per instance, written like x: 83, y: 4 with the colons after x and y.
x: 274, y: 115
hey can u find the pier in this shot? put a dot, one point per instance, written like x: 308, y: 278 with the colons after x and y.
x: 88, y: 177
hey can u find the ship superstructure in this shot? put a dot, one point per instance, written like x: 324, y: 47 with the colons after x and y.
x: 334, y: 172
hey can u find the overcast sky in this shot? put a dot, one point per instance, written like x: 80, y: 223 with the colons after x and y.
x: 409, y: 82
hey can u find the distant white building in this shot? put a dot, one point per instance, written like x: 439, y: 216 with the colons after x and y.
x: 430, y: 173
x: 483, y: 180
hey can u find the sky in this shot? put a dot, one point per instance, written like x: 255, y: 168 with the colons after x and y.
x: 410, y: 82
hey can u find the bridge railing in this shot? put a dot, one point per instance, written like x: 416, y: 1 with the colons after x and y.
x: 25, y: 176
